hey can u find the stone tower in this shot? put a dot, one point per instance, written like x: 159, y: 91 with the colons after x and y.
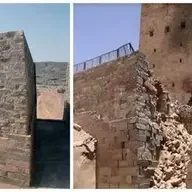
x: 165, y: 39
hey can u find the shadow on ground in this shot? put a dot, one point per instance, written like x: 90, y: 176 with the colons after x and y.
x: 51, y: 158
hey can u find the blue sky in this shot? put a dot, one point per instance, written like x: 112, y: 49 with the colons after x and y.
x: 99, y: 28
x: 46, y: 27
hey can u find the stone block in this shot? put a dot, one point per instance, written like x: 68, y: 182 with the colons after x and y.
x: 128, y: 179
x: 105, y: 171
x: 127, y: 162
x: 117, y: 155
x: 133, y: 171
x: 103, y: 186
x: 115, y: 179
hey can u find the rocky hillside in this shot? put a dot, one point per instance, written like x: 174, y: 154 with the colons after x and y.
x: 51, y: 73
x: 52, y: 89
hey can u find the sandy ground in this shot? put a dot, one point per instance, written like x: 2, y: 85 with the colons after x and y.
x: 50, y: 104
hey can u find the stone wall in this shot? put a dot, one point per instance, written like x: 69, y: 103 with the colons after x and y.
x: 14, y: 82
x: 115, y: 103
x: 17, y: 93
x: 15, y: 153
x: 165, y: 39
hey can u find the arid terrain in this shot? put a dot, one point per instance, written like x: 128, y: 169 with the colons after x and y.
x: 46, y: 108
x: 50, y: 94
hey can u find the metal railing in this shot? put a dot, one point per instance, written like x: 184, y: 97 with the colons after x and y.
x: 122, y: 51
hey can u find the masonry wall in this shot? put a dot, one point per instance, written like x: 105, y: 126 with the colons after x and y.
x: 17, y: 93
x: 165, y: 39
x: 112, y: 104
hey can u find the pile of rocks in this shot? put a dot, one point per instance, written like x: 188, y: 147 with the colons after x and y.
x: 173, y: 122
x: 171, y: 171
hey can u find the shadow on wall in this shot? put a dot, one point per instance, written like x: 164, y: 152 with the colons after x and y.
x: 66, y: 112
x: 51, y: 161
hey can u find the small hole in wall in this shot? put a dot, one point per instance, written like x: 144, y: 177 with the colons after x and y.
x: 148, y: 139
x: 181, y: 44
x: 167, y: 29
x: 151, y: 33
x: 140, y: 171
x: 180, y: 60
x: 122, y: 144
x: 154, y: 50
x: 151, y: 183
x: 183, y: 25
x: 153, y: 65
x: 190, y: 101
x: 173, y: 84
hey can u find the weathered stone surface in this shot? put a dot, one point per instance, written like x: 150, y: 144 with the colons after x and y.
x: 84, y: 159
x: 17, y: 75
x: 123, y: 131
x: 168, y: 52
x: 17, y: 108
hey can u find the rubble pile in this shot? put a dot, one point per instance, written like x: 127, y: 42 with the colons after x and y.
x: 174, y: 158
x: 173, y: 122
x: 171, y: 171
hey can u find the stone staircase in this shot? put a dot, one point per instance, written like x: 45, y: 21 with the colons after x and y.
x: 51, y: 162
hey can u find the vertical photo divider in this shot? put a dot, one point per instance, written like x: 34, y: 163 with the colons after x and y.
x: 71, y: 91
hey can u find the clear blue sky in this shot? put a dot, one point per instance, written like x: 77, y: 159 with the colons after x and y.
x: 99, y: 28
x: 46, y: 27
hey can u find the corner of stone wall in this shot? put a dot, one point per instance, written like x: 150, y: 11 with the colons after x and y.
x: 15, y: 139
x: 145, y: 130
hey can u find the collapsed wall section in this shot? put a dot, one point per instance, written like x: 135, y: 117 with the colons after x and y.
x: 18, y: 103
x: 116, y: 104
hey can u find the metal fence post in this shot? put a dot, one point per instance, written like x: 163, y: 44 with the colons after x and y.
x: 117, y: 53
x: 84, y: 66
x: 100, y: 60
x: 131, y: 47
x: 127, y: 48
